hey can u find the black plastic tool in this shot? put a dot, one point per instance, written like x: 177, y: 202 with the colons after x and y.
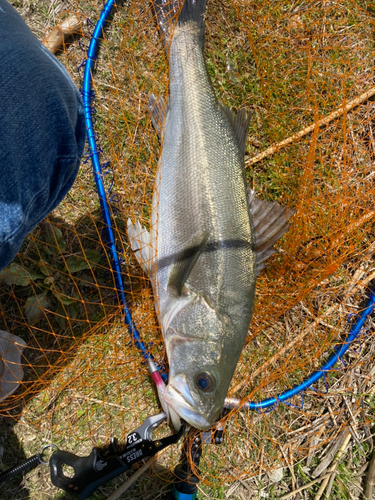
x: 105, y: 463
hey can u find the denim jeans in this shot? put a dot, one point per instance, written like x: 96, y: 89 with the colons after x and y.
x: 42, y: 132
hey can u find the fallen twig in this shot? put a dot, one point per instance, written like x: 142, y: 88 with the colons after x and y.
x: 313, y: 444
x: 97, y: 401
x: 331, y: 413
x: 290, y: 465
x: 320, y: 123
x: 333, y: 466
x: 304, y: 487
x: 332, y: 454
x: 313, y: 427
x: 330, y: 484
x: 125, y: 486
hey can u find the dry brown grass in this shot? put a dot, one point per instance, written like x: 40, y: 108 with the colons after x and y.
x: 291, y: 64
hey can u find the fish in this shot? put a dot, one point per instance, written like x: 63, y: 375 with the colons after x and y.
x: 209, y: 233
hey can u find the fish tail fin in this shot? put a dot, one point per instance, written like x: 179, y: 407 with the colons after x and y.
x: 170, y: 12
x: 193, y: 10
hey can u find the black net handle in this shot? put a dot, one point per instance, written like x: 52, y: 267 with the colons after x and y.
x: 30, y: 464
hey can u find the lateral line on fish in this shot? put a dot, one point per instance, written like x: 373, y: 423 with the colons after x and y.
x: 209, y: 247
x: 200, y: 188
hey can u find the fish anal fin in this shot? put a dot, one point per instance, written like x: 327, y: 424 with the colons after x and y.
x: 270, y: 222
x: 240, y: 123
x: 158, y: 110
x: 184, y: 263
x: 140, y: 243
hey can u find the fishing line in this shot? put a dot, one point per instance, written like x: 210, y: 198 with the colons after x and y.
x: 94, y: 152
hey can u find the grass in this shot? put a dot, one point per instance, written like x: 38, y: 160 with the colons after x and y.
x: 289, y: 63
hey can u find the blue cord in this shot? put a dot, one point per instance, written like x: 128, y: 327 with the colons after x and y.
x: 87, y: 95
x: 314, y: 377
x: 94, y: 154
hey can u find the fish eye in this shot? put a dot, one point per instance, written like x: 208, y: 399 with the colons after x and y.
x: 205, y: 382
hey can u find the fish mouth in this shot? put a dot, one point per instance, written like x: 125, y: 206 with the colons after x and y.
x: 179, y: 400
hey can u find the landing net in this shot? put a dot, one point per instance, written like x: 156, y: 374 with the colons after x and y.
x: 292, y: 65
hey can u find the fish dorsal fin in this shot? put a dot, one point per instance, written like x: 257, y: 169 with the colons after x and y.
x: 240, y: 123
x: 270, y: 222
x: 158, y: 111
x: 185, y: 261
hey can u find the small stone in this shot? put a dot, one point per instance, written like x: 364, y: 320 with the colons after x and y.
x: 276, y: 475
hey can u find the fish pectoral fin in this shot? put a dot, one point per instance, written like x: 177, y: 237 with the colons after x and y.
x: 158, y: 111
x: 270, y: 222
x: 240, y: 123
x: 185, y: 261
x: 139, y: 239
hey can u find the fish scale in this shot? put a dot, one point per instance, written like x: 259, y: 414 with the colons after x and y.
x: 202, y: 180
x: 201, y: 251
x: 202, y: 192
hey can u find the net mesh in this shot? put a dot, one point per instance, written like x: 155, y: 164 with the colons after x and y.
x: 291, y: 64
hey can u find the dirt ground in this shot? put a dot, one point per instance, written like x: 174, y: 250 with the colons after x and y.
x: 320, y: 445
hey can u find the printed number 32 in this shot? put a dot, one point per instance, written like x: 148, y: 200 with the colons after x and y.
x: 132, y: 438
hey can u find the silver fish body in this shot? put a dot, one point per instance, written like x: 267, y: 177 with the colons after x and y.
x: 204, y: 271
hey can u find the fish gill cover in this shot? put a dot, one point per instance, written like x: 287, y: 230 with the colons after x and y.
x: 292, y: 64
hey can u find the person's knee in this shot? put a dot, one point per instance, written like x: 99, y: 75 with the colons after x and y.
x: 42, y: 132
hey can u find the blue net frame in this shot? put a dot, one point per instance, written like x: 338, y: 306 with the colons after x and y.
x: 94, y: 151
